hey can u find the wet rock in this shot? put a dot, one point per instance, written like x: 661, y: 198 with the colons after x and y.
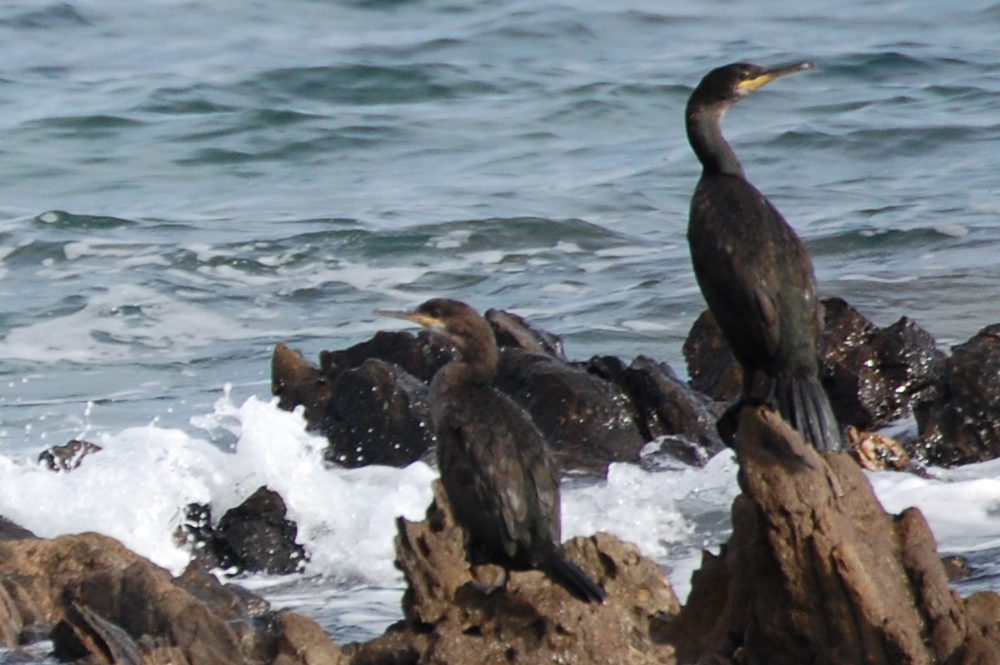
x: 371, y: 410
x: 101, y: 603
x: 257, y: 537
x: 254, y: 537
x: 377, y: 414
x: 876, y: 375
x: 664, y: 407
x: 711, y: 365
x: 67, y: 456
x: 417, y: 355
x: 584, y: 418
x: 297, y: 382
x: 528, y: 620
x: 963, y: 424
x: 873, y: 375
x: 512, y: 330
x: 817, y: 572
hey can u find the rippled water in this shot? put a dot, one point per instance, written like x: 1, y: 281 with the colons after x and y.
x: 183, y: 184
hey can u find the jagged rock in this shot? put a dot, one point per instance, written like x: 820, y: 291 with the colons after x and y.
x: 664, y: 407
x: 875, y: 375
x: 417, y: 354
x: 584, y: 419
x: 67, y: 456
x: 102, y: 603
x: 377, y: 414
x: 963, y: 424
x: 370, y: 410
x: 512, y: 330
x: 528, y: 620
x: 817, y: 572
x: 255, y: 536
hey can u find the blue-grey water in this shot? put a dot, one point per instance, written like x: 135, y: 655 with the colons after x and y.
x: 183, y: 184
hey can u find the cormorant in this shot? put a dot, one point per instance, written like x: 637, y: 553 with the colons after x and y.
x: 494, y: 463
x: 753, y: 270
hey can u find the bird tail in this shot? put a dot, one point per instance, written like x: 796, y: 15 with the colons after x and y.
x: 804, y: 405
x: 572, y: 578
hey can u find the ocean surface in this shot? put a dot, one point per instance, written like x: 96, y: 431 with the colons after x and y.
x: 185, y: 183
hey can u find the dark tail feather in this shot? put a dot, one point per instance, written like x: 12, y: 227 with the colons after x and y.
x: 803, y: 403
x: 569, y: 576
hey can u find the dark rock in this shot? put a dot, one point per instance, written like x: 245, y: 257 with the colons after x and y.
x: 711, y: 365
x: 370, y: 410
x: 417, y: 355
x: 876, y: 375
x: 297, y: 382
x: 512, y: 330
x: 817, y: 572
x: 256, y: 537
x: 11, y: 531
x: 377, y: 414
x: 665, y: 408
x: 529, y: 619
x: 963, y: 424
x: 873, y: 375
x: 584, y: 418
x: 100, y: 603
x: 67, y: 456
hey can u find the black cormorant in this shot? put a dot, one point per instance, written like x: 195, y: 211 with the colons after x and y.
x: 494, y: 463
x: 753, y: 270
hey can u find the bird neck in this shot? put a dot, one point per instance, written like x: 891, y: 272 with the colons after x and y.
x: 704, y: 130
x: 474, y: 368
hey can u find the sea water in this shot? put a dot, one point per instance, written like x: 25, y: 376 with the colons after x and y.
x: 185, y: 184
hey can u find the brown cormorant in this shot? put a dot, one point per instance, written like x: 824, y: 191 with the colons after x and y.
x: 494, y: 463
x: 753, y: 270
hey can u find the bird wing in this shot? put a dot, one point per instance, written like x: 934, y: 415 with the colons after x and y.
x: 747, y: 260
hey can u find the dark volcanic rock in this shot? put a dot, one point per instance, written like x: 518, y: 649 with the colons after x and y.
x: 297, y: 382
x: 378, y: 414
x: 817, y: 572
x: 67, y: 456
x: 256, y: 537
x: 963, y: 424
x: 876, y: 375
x: 371, y: 410
x: 584, y: 418
x: 711, y: 365
x: 665, y: 407
x: 530, y: 619
x: 101, y: 603
x: 512, y: 330
x: 415, y: 354
x: 873, y: 375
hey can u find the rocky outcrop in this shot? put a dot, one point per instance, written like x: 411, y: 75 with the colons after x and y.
x: 584, y: 419
x: 876, y: 375
x: 963, y: 424
x: 101, y: 603
x: 817, y: 572
x: 253, y: 537
x: 371, y: 410
x: 449, y: 619
x: 68, y: 456
x: 664, y: 408
x: 873, y: 375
